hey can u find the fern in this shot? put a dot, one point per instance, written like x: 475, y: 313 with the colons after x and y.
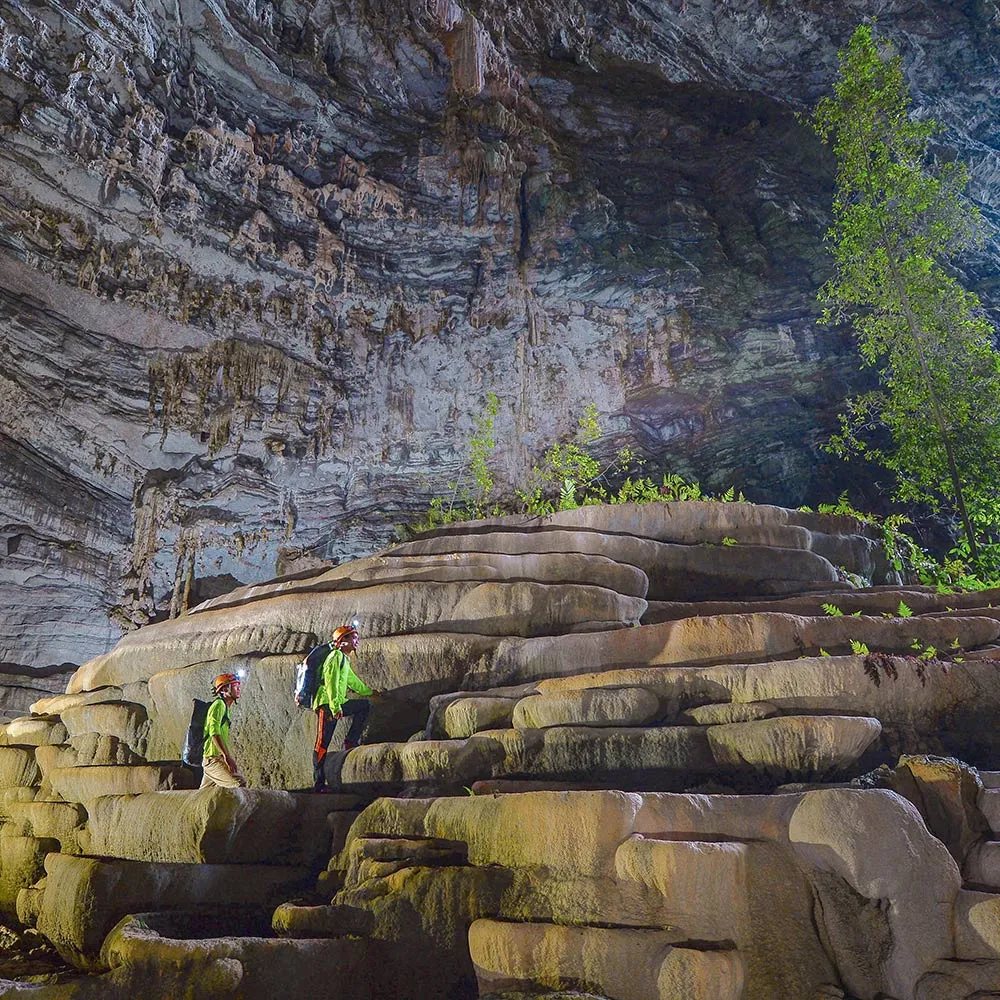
x: 833, y: 611
x: 567, y: 495
x: 859, y: 648
x: 903, y: 611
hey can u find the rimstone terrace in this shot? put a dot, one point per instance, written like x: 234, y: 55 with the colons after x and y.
x: 621, y: 751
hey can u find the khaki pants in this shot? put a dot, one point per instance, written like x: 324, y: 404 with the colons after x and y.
x: 216, y: 773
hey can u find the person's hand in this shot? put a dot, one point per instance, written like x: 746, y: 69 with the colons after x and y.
x: 231, y: 764
x: 377, y: 692
x: 338, y: 715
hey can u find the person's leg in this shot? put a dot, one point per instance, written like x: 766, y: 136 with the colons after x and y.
x: 216, y: 773
x: 357, y: 709
x: 325, y: 723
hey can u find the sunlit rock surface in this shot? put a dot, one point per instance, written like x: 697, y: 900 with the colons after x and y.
x: 262, y: 262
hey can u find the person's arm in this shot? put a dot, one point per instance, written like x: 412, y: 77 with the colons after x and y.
x: 355, y: 683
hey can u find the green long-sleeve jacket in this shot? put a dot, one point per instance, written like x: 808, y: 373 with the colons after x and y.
x: 216, y: 724
x: 335, y: 677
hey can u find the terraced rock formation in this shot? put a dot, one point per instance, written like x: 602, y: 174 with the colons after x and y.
x: 575, y: 780
x: 261, y: 262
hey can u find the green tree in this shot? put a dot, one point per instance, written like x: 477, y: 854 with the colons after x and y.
x: 899, y: 219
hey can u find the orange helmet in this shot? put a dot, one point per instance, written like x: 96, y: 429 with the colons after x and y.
x: 341, y: 633
x: 222, y: 680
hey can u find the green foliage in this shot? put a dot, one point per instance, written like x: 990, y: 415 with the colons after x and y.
x: 470, y: 497
x: 903, y: 611
x: 899, y: 220
x: 833, y: 610
x: 859, y: 648
x: 727, y: 541
x: 566, y: 477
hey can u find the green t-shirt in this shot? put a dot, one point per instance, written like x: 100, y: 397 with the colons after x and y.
x: 216, y: 724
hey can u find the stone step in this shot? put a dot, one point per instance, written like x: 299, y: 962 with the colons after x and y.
x: 217, y: 826
x: 989, y: 803
x: 472, y: 567
x: 982, y: 866
x: 729, y: 639
x: 977, y: 925
x: 991, y: 779
x: 81, y: 784
x: 781, y: 749
x: 640, y: 963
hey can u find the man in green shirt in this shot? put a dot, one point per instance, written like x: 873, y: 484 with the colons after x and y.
x: 218, y: 763
x: 331, y: 702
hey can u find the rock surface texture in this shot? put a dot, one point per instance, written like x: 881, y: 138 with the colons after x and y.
x: 261, y: 263
x: 728, y: 805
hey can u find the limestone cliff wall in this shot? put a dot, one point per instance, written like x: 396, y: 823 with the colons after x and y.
x: 260, y: 263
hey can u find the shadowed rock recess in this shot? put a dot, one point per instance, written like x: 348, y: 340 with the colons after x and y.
x: 574, y: 782
x: 262, y: 260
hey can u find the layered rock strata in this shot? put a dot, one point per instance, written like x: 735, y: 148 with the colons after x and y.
x: 261, y: 264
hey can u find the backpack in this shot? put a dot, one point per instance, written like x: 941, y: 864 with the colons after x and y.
x: 307, y: 675
x: 194, y: 742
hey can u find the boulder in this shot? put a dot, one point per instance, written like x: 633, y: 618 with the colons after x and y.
x: 632, y: 706
x: 126, y: 721
x: 85, y: 897
x: 639, y: 964
x: 874, y: 841
x: 465, y: 716
x: 723, y: 714
x: 982, y: 866
x: 82, y: 783
x: 977, y: 925
x: 35, y: 730
x: 794, y: 746
x: 213, y: 826
x: 946, y: 793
